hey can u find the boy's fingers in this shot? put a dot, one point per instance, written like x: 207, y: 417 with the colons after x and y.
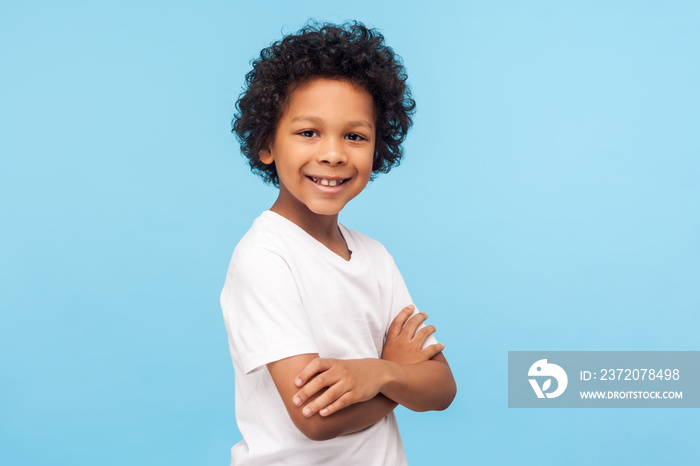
x: 316, y: 384
x: 413, y: 323
x: 424, y: 333
x: 342, y: 402
x: 311, y: 388
x: 432, y: 350
x: 322, y: 402
x: 399, y: 321
x: 314, y: 367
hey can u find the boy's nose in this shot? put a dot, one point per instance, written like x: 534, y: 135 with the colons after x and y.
x: 332, y: 153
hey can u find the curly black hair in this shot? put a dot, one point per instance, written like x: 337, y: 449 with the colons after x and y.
x: 348, y: 51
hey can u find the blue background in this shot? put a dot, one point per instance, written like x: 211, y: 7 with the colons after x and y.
x: 548, y: 201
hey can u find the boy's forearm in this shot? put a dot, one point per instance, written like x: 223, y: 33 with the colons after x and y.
x: 424, y: 386
x: 354, y: 418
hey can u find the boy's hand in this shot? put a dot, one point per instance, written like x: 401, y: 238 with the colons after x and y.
x: 404, y: 344
x: 348, y: 381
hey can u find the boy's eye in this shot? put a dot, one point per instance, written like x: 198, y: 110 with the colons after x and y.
x: 308, y: 133
x: 354, y: 137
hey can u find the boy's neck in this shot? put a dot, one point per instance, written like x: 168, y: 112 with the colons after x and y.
x: 323, y: 228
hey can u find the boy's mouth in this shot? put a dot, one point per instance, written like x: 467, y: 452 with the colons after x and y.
x: 327, y: 181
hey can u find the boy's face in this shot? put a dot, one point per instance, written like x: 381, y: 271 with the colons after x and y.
x: 323, y: 147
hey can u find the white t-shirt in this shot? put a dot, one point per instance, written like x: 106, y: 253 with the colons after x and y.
x: 287, y: 294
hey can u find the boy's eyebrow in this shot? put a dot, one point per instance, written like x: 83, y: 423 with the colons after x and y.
x: 318, y: 121
x: 360, y: 123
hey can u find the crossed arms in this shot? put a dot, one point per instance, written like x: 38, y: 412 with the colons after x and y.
x: 326, y: 398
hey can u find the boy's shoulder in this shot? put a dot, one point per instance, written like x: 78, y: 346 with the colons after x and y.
x: 263, y: 234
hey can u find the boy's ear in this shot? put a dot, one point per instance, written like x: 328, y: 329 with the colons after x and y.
x: 265, y: 154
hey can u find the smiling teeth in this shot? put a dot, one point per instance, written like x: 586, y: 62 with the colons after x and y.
x: 325, y: 182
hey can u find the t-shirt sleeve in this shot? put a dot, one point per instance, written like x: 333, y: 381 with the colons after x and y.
x: 401, y: 298
x: 264, y: 315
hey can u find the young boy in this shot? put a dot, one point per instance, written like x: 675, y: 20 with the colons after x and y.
x: 324, y: 338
